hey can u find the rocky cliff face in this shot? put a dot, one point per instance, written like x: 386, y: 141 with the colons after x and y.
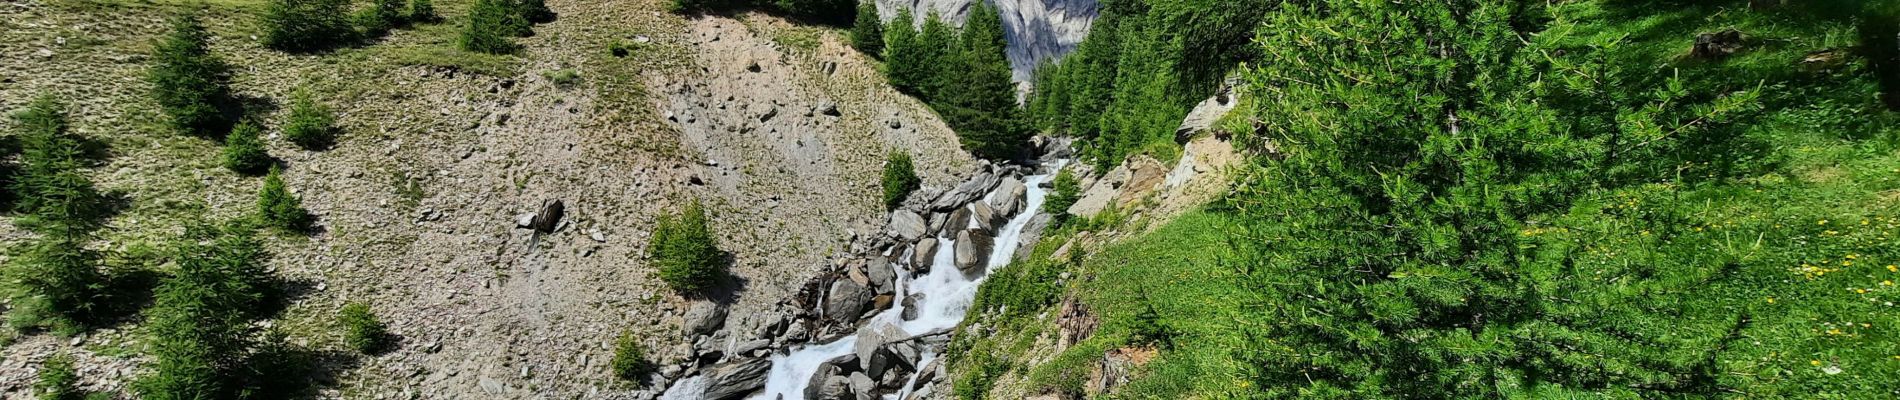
x: 1037, y: 29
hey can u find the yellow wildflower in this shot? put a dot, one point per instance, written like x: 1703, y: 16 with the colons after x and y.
x: 1771, y: 300
x: 1892, y: 268
x: 1822, y: 222
x: 1886, y: 283
x: 1861, y: 291
x: 1816, y: 363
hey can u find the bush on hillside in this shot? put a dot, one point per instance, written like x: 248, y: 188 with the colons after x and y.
x: 630, y: 361
x: 54, y: 281
x: 244, y: 149
x: 190, y: 84
x: 311, y: 125
x: 361, y: 330
x: 490, y: 25
x: 867, y: 34
x: 53, y: 191
x: 423, y: 12
x: 306, y: 25
x: 380, y: 17
x: 900, y: 178
x: 685, y: 251
x: 278, y: 208
x: 1063, y: 193
x: 58, y: 380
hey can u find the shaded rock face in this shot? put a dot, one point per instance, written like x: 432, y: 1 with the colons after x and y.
x: 973, y: 251
x: 1037, y: 30
x: 735, y: 380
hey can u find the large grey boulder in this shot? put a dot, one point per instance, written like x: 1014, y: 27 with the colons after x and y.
x: 969, y: 191
x: 847, y: 300
x: 862, y: 385
x: 986, y: 217
x: 736, y: 379
x: 703, y: 318
x: 923, y: 256
x: 906, y: 224
x: 1031, y: 234
x: 973, y: 251
x: 873, y: 355
x: 830, y: 381
x: 1010, y: 197
x: 958, y: 220
x: 883, y: 278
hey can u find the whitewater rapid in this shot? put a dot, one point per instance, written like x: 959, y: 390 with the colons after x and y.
x: 946, y: 291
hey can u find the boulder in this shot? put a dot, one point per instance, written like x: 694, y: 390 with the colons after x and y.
x: 935, y: 226
x: 736, y: 379
x: 874, y: 355
x: 971, y: 190
x: 1031, y: 234
x: 1717, y: 45
x: 703, y: 318
x: 1144, y: 176
x: 847, y: 300
x: 923, y: 256
x: 549, y: 217
x: 973, y: 251
x: 829, y: 381
x: 1205, y: 114
x: 958, y: 220
x: 986, y: 217
x: 910, y: 306
x: 883, y: 278
x: 862, y: 385
x: 1097, y: 195
x: 906, y: 224
x: 1010, y: 197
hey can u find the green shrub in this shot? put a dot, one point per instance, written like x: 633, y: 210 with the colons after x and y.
x: 422, y: 12
x: 835, y: 12
x: 244, y: 149
x: 1064, y: 191
x: 58, y: 380
x: 200, y: 320
x: 311, y: 126
x: 361, y: 330
x: 900, y: 178
x: 564, y: 78
x: 306, y: 25
x: 630, y: 362
x: 490, y: 24
x: 867, y: 34
x: 278, y: 208
x: 380, y: 17
x: 684, y: 249
x: 55, y: 283
x: 190, y: 84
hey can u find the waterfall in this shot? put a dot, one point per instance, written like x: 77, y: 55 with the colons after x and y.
x: 946, y: 296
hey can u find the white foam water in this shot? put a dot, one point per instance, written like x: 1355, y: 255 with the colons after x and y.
x: 946, y: 296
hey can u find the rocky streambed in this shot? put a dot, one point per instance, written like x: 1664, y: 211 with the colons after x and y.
x: 874, y: 324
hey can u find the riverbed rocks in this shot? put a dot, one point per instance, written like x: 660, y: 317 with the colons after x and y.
x: 703, y: 318
x: 736, y: 379
x: 906, y: 224
x: 847, y: 301
x: 973, y: 251
x: 923, y: 255
x: 1011, y: 196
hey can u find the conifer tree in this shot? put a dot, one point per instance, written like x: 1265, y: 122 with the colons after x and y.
x: 55, y: 281
x: 937, y: 45
x: 362, y: 330
x: 58, y: 379
x: 867, y: 34
x: 490, y: 24
x: 190, y: 83
x: 306, y: 25
x: 982, y: 109
x: 686, y: 252
x: 310, y: 126
x: 200, y: 320
x: 244, y: 149
x: 904, y: 56
x: 278, y: 208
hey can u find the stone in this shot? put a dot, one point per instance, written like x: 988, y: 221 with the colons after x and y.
x: 924, y: 255
x: 1031, y: 234
x: 873, y: 356
x: 847, y: 301
x: 883, y: 278
x: 1011, y: 196
x: 1205, y: 114
x: 524, y: 221
x: 881, y: 302
x: 747, y: 347
x: 1717, y: 45
x: 797, y: 331
x: 971, y: 190
x: 910, y: 306
x: 828, y: 382
x: 906, y: 225
x: 736, y: 379
x: 958, y: 220
x: 549, y: 217
x: 1097, y: 195
x: 973, y: 251
x: 862, y: 384
x: 703, y: 318
x: 935, y: 227
x: 829, y: 108
x: 986, y: 218
x: 1145, y: 174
